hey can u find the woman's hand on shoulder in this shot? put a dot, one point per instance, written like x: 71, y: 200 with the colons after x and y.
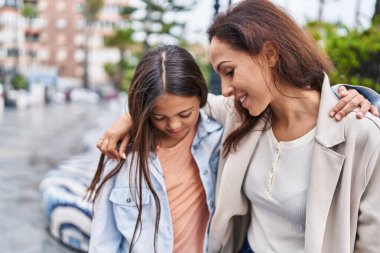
x: 117, y: 134
x: 350, y: 100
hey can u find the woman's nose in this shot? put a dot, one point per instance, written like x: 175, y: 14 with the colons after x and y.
x: 227, y: 91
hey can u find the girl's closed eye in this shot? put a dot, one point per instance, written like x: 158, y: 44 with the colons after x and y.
x: 156, y: 117
x: 185, y: 115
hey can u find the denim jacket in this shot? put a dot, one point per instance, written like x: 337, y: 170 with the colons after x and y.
x: 115, y: 211
x: 372, y: 96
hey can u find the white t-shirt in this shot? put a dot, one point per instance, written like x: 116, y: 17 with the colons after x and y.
x: 276, y: 184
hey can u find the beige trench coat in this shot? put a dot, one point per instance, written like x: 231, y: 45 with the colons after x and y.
x: 343, y: 196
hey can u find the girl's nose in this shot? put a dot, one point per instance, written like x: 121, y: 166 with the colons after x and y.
x: 227, y: 91
x: 174, y: 124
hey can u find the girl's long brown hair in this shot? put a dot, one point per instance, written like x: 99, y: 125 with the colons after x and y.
x: 245, y: 27
x: 166, y: 69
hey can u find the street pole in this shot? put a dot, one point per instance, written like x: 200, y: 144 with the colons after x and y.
x: 85, y: 79
x: 215, y: 83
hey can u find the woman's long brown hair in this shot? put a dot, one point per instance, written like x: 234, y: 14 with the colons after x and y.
x: 166, y: 69
x: 249, y: 24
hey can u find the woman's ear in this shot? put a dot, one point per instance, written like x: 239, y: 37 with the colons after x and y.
x: 270, y: 52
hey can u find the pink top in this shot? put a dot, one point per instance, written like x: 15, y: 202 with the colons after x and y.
x: 187, y: 198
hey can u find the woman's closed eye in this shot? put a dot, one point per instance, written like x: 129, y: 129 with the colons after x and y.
x: 229, y: 73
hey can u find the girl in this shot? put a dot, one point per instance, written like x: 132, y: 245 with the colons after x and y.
x: 161, y: 198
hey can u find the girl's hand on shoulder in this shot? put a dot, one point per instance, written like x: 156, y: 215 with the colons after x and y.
x: 350, y: 100
x: 117, y: 134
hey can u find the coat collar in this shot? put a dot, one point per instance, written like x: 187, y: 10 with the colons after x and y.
x: 326, y: 167
x: 329, y: 132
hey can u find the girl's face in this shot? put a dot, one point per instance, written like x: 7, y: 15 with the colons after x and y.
x: 246, y: 77
x: 174, y: 116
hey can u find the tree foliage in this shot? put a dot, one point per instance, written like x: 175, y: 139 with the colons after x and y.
x: 19, y: 81
x: 158, y: 21
x: 29, y: 11
x: 149, y: 26
x: 129, y: 51
x: 91, y: 9
x: 354, y: 52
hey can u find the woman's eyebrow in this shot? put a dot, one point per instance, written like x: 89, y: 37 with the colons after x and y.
x: 220, y: 64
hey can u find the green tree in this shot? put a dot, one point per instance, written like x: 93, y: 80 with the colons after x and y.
x: 91, y: 9
x: 157, y: 22
x: 129, y: 51
x: 376, y: 14
x: 154, y: 24
x: 354, y: 52
x: 19, y: 82
x: 29, y: 12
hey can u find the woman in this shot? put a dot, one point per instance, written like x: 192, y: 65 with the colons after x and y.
x: 291, y: 178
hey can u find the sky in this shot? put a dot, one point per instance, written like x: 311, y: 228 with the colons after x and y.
x: 301, y: 10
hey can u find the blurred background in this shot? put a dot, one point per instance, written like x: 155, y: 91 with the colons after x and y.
x: 65, y: 67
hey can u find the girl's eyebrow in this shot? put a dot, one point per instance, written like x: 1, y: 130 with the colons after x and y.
x: 186, y: 110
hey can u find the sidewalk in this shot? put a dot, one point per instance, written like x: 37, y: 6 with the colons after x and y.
x: 32, y: 142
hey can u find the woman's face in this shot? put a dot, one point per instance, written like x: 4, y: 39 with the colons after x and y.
x: 174, y: 116
x: 246, y: 77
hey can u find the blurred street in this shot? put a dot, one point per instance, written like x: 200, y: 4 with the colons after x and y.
x: 32, y: 141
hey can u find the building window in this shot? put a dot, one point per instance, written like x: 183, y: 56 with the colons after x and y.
x: 43, y: 55
x: 42, y: 5
x: 61, y: 55
x: 44, y: 37
x: 80, y: 24
x: 61, y: 6
x: 11, y: 3
x: 61, y: 39
x: 61, y: 23
x: 79, y: 55
x: 79, y: 7
x: 79, y: 71
x: 79, y: 40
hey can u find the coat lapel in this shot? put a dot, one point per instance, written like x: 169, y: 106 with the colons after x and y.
x: 235, y: 168
x: 324, y: 176
x: 325, y: 171
x: 230, y: 199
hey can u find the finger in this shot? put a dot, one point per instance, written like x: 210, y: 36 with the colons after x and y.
x: 99, y: 143
x: 343, y: 102
x: 123, y: 147
x: 112, y: 147
x: 349, y: 107
x: 342, y: 91
x: 365, y: 105
x: 374, y: 110
x: 105, y: 149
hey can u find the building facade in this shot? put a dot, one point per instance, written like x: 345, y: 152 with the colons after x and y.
x: 56, y: 37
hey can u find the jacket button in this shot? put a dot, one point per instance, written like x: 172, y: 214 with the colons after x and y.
x: 205, y: 172
x: 129, y: 200
x: 212, y: 204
